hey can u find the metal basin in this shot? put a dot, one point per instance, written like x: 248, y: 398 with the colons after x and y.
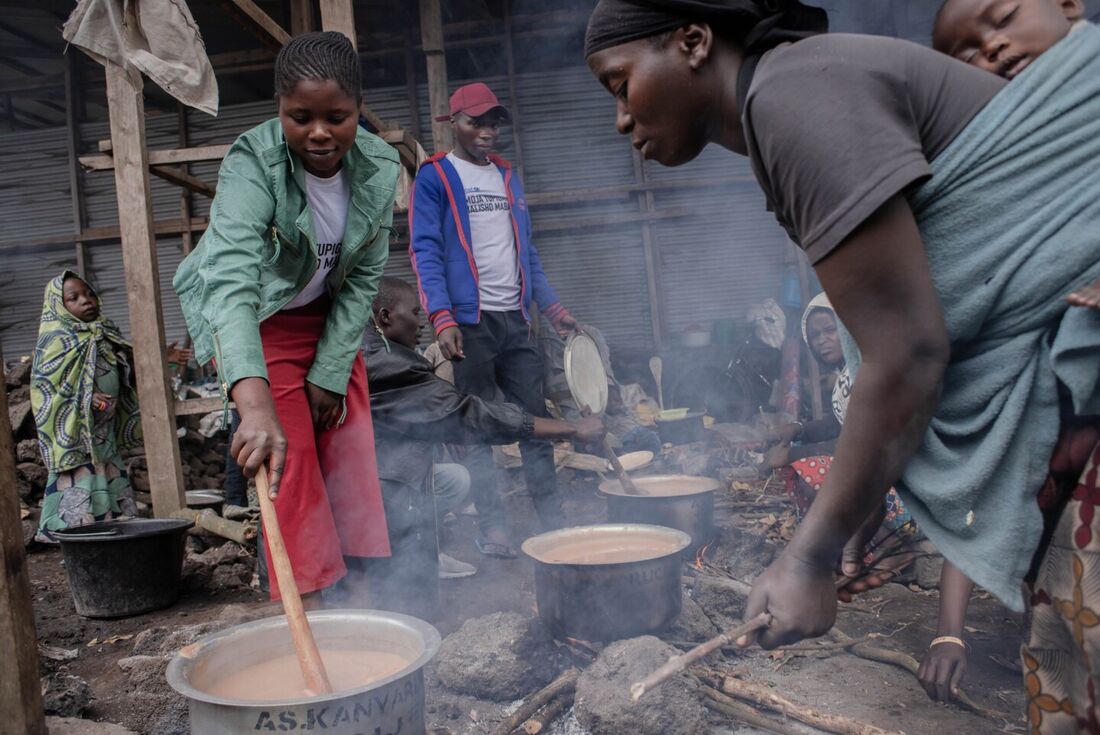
x: 388, y: 706
x: 602, y: 601
x: 675, y: 501
x: 203, y: 499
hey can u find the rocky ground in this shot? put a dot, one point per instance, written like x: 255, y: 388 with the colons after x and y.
x: 495, y: 651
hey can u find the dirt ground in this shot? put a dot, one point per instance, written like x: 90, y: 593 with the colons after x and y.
x: 835, y: 681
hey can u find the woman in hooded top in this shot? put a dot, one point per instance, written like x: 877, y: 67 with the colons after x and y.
x: 901, y: 173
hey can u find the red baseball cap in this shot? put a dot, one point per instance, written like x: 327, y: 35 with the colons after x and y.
x: 475, y: 100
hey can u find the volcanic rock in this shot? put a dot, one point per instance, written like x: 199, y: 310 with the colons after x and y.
x: 603, y: 704
x: 502, y: 657
x: 65, y: 696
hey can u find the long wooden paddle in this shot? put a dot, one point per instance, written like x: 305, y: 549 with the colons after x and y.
x: 309, y: 658
x: 624, y: 479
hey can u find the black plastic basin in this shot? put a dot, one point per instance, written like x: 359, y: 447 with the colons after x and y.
x: 120, y: 568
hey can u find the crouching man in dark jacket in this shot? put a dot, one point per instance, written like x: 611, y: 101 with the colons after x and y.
x: 413, y: 412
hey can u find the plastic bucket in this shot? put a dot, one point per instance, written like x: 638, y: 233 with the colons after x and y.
x: 120, y: 568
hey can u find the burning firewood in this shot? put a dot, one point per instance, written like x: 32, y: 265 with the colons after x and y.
x: 564, y: 685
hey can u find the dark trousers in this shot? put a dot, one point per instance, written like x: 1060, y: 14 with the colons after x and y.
x: 236, y: 489
x: 407, y: 581
x: 502, y: 354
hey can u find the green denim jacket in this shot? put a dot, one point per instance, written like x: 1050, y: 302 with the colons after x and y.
x: 259, y: 251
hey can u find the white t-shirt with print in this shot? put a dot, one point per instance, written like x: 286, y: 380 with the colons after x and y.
x: 491, y: 235
x: 328, y: 203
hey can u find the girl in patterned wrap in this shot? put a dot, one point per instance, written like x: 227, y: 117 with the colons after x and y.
x: 85, y: 408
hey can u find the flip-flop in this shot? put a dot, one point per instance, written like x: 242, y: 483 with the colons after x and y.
x: 494, y: 549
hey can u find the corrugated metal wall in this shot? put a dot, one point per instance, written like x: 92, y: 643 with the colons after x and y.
x: 726, y: 254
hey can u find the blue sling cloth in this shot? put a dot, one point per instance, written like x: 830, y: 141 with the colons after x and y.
x: 1011, y: 225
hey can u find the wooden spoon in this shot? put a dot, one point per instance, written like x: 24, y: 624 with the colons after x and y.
x: 309, y: 658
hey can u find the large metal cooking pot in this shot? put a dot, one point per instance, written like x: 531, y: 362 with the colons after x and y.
x: 388, y: 706
x: 608, y: 601
x: 675, y: 501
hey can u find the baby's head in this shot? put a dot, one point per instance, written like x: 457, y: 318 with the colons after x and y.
x: 80, y: 300
x: 1002, y: 36
x: 317, y: 87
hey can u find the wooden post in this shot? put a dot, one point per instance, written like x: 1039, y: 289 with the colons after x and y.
x: 339, y: 15
x: 431, y: 38
x: 76, y: 192
x: 410, y: 87
x: 301, y: 17
x: 650, y: 252
x: 513, y: 97
x: 186, y: 237
x: 20, y: 689
x: 139, y: 258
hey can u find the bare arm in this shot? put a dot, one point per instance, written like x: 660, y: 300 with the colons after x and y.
x: 260, y: 435
x: 945, y: 663
x: 879, y: 282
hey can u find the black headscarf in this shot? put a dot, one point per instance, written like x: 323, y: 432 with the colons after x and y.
x: 765, y: 23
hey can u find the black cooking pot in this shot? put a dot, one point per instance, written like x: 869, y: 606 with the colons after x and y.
x: 685, y: 430
x: 596, y: 601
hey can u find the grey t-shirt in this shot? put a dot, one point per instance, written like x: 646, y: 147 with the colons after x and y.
x: 838, y: 124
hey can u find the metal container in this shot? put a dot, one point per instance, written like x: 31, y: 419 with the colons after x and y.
x: 607, y: 601
x: 675, y: 501
x: 685, y: 430
x: 391, y: 705
x: 203, y: 499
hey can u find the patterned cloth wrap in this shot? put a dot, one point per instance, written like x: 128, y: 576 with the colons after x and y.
x: 80, y: 446
x: 1061, y: 657
x: 809, y: 475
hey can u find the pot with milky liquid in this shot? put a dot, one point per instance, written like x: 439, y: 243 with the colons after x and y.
x: 608, y: 581
x: 676, y: 501
x: 245, y: 678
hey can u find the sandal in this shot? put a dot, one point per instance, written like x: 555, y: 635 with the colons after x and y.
x: 494, y: 549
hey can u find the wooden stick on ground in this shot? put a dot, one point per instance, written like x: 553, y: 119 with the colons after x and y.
x: 208, y: 520
x: 749, y: 715
x: 677, y: 664
x: 765, y: 697
x: 548, y: 714
x: 905, y: 661
x: 566, y: 682
x: 309, y: 658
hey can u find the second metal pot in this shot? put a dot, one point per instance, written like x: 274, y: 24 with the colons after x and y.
x: 675, y: 501
x: 604, y: 602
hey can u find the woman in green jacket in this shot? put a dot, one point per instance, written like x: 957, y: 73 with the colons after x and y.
x: 278, y: 294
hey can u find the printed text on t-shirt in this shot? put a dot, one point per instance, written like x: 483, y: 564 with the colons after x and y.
x: 481, y: 201
x: 327, y: 255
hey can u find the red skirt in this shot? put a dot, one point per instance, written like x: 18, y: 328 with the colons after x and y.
x: 330, y: 501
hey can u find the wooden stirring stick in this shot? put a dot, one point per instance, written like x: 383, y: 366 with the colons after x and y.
x: 677, y: 664
x: 309, y: 658
x: 609, y: 452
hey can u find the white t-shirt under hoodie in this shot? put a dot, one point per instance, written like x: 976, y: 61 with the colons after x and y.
x: 491, y: 235
x: 328, y: 203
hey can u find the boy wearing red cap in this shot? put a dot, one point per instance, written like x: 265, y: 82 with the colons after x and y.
x: 478, y: 272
